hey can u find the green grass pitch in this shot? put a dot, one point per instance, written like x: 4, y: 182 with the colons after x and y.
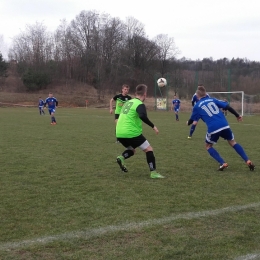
x: 63, y: 196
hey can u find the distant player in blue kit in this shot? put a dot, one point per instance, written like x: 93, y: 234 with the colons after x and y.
x: 176, y: 104
x: 209, y: 110
x: 41, y: 106
x: 194, y: 100
x: 52, y: 102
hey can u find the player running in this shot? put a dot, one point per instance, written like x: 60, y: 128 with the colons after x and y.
x: 41, y: 106
x: 52, y: 102
x: 120, y: 99
x: 176, y: 104
x: 129, y: 131
x: 209, y: 110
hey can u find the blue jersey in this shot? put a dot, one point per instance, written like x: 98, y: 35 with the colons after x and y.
x: 51, y: 102
x: 41, y: 103
x: 176, y: 103
x: 194, y: 99
x: 208, y: 109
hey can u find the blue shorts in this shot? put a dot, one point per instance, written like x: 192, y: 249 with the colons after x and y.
x: 226, y: 134
x: 40, y: 108
x: 51, y: 110
x: 176, y: 109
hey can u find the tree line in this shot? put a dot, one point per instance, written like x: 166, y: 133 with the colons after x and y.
x: 106, y: 52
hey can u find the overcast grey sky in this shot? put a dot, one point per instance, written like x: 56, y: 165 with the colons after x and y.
x: 200, y: 28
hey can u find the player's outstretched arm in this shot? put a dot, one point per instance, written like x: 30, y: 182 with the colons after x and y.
x: 234, y: 112
x: 141, y: 110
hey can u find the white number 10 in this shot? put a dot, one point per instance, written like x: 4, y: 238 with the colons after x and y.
x: 211, y: 109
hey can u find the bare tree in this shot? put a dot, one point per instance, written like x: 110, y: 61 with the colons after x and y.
x: 166, y: 50
x: 34, y: 46
x: 112, y: 39
x: 85, y: 33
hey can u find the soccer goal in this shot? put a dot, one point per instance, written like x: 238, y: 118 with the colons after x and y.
x: 236, y: 99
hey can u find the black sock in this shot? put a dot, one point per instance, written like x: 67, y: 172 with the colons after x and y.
x: 151, y: 160
x: 127, y: 154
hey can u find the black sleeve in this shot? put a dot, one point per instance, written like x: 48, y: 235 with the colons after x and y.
x: 56, y: 102
x: 231, y: 110
x: 115, y: 97
x: 141, y: 110
x: 192, y: 102
x: 190, y: 121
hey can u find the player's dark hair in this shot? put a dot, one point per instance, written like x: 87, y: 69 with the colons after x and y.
x: 141, y: 89
x: 125, y: 86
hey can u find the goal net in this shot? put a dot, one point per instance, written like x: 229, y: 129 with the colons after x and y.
x: 251, y: 104
x: 236, y: 99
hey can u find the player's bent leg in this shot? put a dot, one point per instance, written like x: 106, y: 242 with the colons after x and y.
x: 150, y: 158
x: 121, y: 162
x: 192, y: 129
x: 130, y: 151
x: 53, y: 120
x: 177, y: 116
x: 216, y: 156
x: 240, y: 151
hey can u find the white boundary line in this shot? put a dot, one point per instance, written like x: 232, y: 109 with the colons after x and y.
x: 90, y: 233
x: 248, y: 257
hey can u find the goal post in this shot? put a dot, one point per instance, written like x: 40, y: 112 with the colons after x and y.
x: 234, y: 98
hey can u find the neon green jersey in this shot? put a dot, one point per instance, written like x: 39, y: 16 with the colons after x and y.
x: 120, y: 100
x: 129, y: 123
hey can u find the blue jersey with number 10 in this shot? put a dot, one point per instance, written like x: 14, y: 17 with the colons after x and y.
x: 208, y: 109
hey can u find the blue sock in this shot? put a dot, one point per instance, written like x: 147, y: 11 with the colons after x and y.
x: 192, y: 129
x: 239, y: 149
x: 177, y: 116
x: 52, y: 119
x: 215, y: 155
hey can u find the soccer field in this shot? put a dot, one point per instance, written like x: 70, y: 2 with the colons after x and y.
x: 63, y: 196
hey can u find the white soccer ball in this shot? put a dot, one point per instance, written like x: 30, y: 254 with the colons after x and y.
x: 161, y: 82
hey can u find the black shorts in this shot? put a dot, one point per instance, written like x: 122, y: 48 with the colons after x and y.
x: 116, y: 116
x: 133, y: 142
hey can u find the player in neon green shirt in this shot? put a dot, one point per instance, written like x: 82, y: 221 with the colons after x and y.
x: 120, y: 99
x: 129, y: 131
